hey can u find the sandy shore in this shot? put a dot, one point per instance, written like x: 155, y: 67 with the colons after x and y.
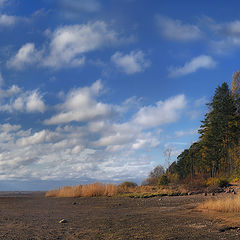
x: 32, y: 216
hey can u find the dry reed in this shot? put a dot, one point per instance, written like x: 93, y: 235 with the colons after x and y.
x: 225, y: 204
x: 99, y: 189
x: 89, y: 190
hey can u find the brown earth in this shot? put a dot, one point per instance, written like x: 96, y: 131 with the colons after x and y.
x: 32, y: 216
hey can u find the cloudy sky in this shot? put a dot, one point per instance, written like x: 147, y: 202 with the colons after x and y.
x: 96, y: 90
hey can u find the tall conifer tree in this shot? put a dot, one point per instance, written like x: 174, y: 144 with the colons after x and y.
x: 218, y: 131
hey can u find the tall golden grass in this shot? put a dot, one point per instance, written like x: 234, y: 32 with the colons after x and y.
x: 99, y: 189
x: 89, y: 190
x: 230, y: 204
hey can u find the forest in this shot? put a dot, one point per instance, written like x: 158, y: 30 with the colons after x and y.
x: 216, y: 154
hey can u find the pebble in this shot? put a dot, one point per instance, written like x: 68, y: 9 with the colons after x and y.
x: 63, y: 221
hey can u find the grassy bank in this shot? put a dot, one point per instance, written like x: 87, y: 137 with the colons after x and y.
x: 99, y: 189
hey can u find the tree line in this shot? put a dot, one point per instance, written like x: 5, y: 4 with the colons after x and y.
x: 217, y: 151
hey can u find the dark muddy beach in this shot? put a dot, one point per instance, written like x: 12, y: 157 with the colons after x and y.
x: 28, y: 215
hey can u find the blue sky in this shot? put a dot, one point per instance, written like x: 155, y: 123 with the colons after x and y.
x: 96, y: 90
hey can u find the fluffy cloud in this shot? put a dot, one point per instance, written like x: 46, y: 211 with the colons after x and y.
x: 14, y: 99
x: 231, y: 28
x: 26, y: 55
x: 80, y: 105
x: 192, y: 66
x: 34, y: 102
x: 62, y: 154
x: 6, y: 20
x: 224, y: 37
x: 98, y: 148
x: 69, y: 43
x: 12, y: 91
x: 37, y: 138
x: 161, y: 113
x: 176, y: 30
x: 226, y: 29
x: 68, y: 46
x: 133, y: 135
x: 133, y: 62
x: 118, y: 135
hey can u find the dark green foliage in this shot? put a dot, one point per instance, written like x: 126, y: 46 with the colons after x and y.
x: 172, y: 168
x: 217, y: 151
x: 223, y: 182
x: 183, y: 166
x: 218, y: 132
x: 216, y: 154
x: 163, y: 180
x: 128, y: 184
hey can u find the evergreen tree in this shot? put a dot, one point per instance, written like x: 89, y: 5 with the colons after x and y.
x: 217, y: 153
x: 218, y: 132
x: 183, y: 164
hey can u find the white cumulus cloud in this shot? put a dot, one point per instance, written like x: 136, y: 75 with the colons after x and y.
x: 14, y: 99
x: 192, y: 66
x: 225, y: 36
x: 67, y: 46
x: 176, y: 30
x: 25, y: 56
x: 34, y: 102
x: 163, y: 112
x: 81, y: 105
x: 69, y: 43
x: 6, y: 20
x: 133, y: 62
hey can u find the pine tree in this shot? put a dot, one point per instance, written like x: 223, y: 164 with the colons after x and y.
x: 218, y: 132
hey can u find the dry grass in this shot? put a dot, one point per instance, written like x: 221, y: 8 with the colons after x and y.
x: 89, y: 190
x: 224, y: 204
x: 99, y: 189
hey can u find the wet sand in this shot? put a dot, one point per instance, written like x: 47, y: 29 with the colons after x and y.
x: 32, y: 216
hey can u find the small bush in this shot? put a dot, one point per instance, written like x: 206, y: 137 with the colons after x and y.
x: 150, y: 182
x: 217, y: 182
x: 194, y: 184
x: 128, y: 185
x: 223, y: 182
x: 163, y: 180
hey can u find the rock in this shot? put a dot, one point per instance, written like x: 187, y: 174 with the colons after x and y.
x: 229, y: 190
x: 205, y: 194
x: 63, y: 221
x: 213, y: 194
x: 74, y: 203
x: 219, y: 190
